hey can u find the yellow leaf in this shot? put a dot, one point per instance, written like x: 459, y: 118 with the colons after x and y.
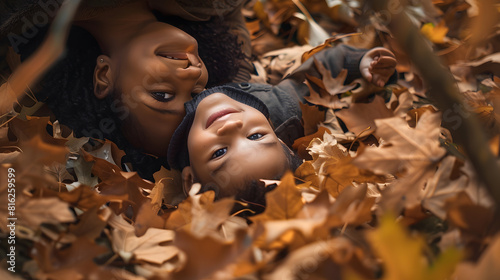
x: 402, y: 254
x: 435, y: 34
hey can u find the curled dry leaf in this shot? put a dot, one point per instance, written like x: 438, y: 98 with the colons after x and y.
x: 150, y: 247
x: 36, y: 144
x: 332, y: 164
x: 324, y: 99
x: 31, y: 212
x: 333, y: 86
x: 463, y: 213
x: 301, y: 144
x: 44, y: 210
x: 126, y: 187
x: 441, y: 187
x: 167, y: 189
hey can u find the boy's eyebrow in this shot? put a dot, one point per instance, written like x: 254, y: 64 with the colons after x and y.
x: 223, y: 164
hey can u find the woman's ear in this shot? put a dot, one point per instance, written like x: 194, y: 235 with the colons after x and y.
x: 187, y: 179
x: 102, y: 77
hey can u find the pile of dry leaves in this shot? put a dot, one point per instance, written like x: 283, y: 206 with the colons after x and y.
x: 385, y: 192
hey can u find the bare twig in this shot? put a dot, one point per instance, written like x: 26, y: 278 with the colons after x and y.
x: 34, y: 67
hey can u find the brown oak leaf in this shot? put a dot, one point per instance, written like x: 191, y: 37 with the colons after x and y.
x: 403, y: 148
x: 127, y: 187
x: 360, y: 117
x: 284, y: 202
x: 311, y: 117
x: 332, y: 85
x: 73, y: 262
x: 324, y: 99
x: 206, y: 255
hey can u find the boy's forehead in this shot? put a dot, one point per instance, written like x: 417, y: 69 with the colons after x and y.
x: 213, y: 99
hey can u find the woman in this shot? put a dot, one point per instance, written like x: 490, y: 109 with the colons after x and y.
x: 130, y: 85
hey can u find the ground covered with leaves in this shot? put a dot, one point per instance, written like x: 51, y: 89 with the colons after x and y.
x: 389, y: 188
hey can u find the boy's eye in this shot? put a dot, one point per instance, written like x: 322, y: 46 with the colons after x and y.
x: 162, y: 96
x: 219, y: 153
x: 255, y: 136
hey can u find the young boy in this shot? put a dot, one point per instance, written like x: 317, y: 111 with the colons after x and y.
x: 227, y: 144
x: 229, y: 139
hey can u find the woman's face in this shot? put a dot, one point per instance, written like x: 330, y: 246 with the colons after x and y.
x: 154, y: 74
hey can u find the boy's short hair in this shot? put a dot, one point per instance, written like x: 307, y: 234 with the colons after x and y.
x: 178, y: 154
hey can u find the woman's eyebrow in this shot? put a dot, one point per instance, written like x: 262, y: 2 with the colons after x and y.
x: 166, y: 111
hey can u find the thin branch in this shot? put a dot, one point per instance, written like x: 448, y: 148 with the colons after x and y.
x: 446, y: 96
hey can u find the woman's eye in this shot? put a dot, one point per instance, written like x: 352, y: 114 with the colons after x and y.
x: 162, y: 96
x: 255, y: 136
x: 219, y: 153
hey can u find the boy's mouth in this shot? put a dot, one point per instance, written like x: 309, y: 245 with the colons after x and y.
x: 213, y: 117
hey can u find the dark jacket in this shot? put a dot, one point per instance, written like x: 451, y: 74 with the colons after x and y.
x: 283, y: 99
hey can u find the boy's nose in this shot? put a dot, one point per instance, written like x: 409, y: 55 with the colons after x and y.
x: 229, y: 126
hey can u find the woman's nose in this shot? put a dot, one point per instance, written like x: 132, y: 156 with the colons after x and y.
x: 193, y: 60
x: 193, y: 71
x: 189, y: 73
x: 230, y: 126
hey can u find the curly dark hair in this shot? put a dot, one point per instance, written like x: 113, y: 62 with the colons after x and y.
x: 218, y: 48
x: 67, y: 88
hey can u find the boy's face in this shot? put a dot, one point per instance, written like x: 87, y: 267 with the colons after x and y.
x: 230, y: 143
